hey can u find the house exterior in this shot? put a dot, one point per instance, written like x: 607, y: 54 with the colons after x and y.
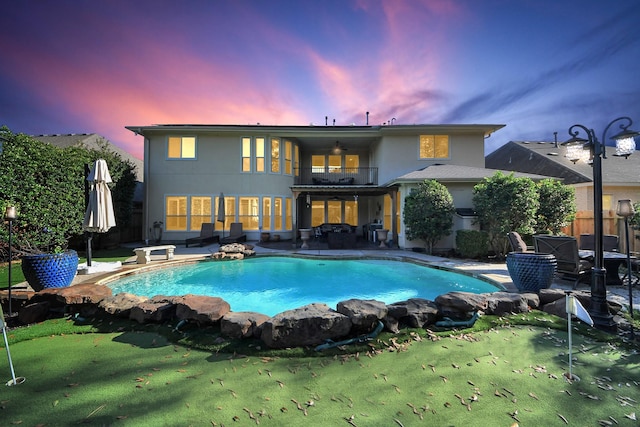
x: 620, y: 179
x: 279, y: 179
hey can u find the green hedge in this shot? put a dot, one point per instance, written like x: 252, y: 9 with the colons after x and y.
x: 472, y: 243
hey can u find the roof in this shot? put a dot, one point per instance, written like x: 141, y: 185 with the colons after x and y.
x: 91, y: 141
x: 547, y: 158
x: 455, y: 173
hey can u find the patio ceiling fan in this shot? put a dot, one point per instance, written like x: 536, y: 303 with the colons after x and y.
x: 338, y: 148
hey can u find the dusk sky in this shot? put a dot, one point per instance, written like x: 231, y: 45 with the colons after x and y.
x: 537, y: 66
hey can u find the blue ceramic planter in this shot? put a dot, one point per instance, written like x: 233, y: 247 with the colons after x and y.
x: 531, y: 272
x: 44, y: 271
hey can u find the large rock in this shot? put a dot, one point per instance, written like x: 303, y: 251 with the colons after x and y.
x: 242, y: 324
x: 34, y: 312
x: 461, y: 304
x: 312, y: 324
x: 550, y: 295
x: 158, y: 309
x: 364, y: 314
x: 201, y: 309
x: 76, y: 294
x: 414, y: 312
x: 501, y: 303
x: 121, y: 304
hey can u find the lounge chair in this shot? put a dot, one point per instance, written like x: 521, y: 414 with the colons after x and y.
x: 236, y: 234
x: 609, y: 242
x: 565, y: 249
x: 206, y: 236
x: 517, y: 243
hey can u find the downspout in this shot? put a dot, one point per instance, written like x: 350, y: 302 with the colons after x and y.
x: 394, y: 214
x: 145, y: 192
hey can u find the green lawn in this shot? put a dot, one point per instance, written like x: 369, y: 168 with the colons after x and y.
x: 500, y: 375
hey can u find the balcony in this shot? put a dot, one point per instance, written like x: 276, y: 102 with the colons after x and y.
x: 337, y: 176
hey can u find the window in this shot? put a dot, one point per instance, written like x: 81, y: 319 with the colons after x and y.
x: 275, y: 155
x: 317, y: 212
x: 351, y: 212
x: 200, y: 211
x: 266, y: 213
x: 288, y: 214
x: 334, y: 211
x: 182, y: 147
x: 229, y: 212
x: 277, y: 213
x: 387, y: 212
x: 248, y: 212
x: 176, y: 213
x: 288, y: 157
x: 317, y: 164
x: 260, y: 155
x: 296, y: 160
x: 352, y: 163
x: 246, y: 154
x: 434, y: 146
x: 335, y: 163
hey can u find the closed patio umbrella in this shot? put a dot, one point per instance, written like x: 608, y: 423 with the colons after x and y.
x: 99, y: 216
x: 221, y: 211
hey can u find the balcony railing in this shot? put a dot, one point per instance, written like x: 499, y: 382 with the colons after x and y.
x: 337, y: 176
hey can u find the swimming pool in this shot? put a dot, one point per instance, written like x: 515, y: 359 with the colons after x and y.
x: 273, y: 284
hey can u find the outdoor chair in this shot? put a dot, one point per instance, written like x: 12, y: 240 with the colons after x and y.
x: 206, y: 236
x: 609, y: 242
x: 565, y: 249
x: 236, y: 235
x: 517, y: 243
x: 634, y: 270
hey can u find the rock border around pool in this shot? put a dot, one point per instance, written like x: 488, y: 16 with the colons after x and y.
x: 310, y: 325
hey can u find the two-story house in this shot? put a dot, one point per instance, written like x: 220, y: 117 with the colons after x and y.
x: 280, y: 179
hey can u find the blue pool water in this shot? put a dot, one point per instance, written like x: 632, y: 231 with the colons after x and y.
x: 271, y: 285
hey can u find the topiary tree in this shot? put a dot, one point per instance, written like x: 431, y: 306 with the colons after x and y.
x: 557, y: 206
x: 505, y: 203
x: 428, y: 213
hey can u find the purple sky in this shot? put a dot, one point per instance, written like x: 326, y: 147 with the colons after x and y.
x: 538, y: 66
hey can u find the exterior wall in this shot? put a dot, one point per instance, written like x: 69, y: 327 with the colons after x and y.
x: 216, y: 169
x: 397, y: 155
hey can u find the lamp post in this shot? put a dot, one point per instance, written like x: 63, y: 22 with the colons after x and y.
x: 625, y: 145
x: 10, y: 215
x: 625, y: 209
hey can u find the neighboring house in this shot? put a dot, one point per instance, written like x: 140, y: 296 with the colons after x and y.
x: 279, y: 179
x: 620, y: 177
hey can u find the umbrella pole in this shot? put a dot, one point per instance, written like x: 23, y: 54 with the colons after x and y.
x: 89, y: 238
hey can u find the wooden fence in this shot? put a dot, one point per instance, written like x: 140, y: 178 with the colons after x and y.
x: 611, y: 224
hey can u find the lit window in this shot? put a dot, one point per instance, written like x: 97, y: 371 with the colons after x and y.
x: 387, y: 212
x: 317, y: 212
x: 335, y: 163
x: 317, y: 164
x: 200, y: 211
x: 352, y: 162
x: 246, y: 154
x: 176, y: 213
x: 277, y: 213
x: 434, y: 146
x: 288, y: 215
x: 248, y: 212
x: 296, y: 160
x: 275, y: 155
x: 182, y: 147
x: 229, y: 213
x: 288, y: 161
x: 334, y: 211
x: 266, y: 213
x: 351, y: 212
x: 259, y: 154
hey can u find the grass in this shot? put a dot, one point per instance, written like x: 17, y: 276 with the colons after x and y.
x: 504, y: 371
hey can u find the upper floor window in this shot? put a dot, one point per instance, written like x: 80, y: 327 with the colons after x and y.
x: 434, y: 146
x: 275, y: 155
x: 288, y: 157
x: 259, y: 154
x: 246, y: 154
x: 182, y: 147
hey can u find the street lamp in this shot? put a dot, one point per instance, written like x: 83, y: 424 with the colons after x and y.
x: 625, y: 209
x: 625, y: 145
x: 10, y: 215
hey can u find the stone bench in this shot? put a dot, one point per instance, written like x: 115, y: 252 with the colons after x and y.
x: 144, y: 254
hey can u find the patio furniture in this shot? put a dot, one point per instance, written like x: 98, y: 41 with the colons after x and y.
x: 206, y: 236
x: 517, y: 243
x: 144, y: 254
x: 236, y: 234
x: 565, y: 249
x: 612, y: 262
x: 609, y: 242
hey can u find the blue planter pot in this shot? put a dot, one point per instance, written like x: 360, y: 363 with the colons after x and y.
x: 531, y: 272
x: 44, y: 271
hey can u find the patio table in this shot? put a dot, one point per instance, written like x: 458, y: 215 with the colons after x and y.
x: 612, y: 262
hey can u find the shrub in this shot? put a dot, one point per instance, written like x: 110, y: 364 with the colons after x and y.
x: 472, y: 243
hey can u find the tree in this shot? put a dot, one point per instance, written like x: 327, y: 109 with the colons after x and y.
x: 47, y: 184
x: 557, y: 206
x: 428, y: 213
x: 505, y: 203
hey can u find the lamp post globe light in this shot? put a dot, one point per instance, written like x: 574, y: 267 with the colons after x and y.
x: 626, y: 210
x: 625, y: 146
